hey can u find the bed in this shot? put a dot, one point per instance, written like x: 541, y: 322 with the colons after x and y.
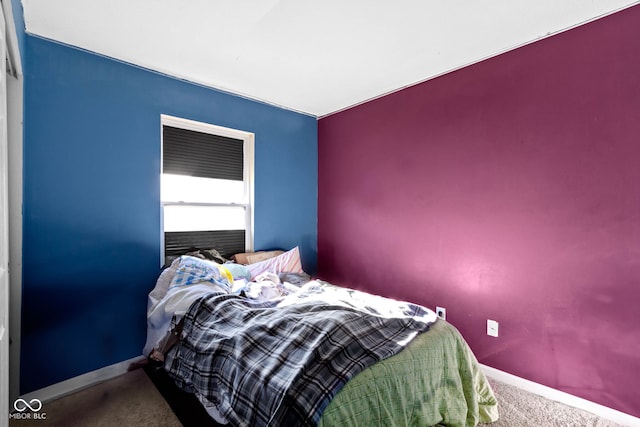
x: 265, y: 345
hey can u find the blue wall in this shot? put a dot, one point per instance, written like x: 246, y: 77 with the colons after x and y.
x: 91, y: 239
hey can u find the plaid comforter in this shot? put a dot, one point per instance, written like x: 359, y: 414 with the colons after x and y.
x: 280, y: 362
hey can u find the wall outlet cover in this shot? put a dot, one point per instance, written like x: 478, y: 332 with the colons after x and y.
x: 441, y: 312
x: 492, y: 328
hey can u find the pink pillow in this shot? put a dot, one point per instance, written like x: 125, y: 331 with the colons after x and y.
x: 288, y: 262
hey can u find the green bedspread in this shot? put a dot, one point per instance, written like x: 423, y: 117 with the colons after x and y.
x: 436, y: 380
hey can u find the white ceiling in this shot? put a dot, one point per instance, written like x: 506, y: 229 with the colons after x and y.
x: 315, y: 57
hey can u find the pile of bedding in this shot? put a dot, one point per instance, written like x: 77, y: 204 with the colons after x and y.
x: 192, y: 276
x: 280, y: 362
x: 262, y: 344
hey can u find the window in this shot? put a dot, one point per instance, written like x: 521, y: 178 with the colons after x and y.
x: 206, y: 187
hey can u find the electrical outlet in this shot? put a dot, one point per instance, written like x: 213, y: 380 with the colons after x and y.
x: 492, y: 328
x: 441, y: 312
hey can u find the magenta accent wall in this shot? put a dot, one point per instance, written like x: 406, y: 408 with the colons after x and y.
x: 509, y: 190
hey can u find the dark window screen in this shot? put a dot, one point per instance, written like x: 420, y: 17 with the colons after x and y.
x: 227, y: 242
x: 199, y: 154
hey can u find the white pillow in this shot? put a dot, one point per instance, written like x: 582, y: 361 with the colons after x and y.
x: 288, y: 262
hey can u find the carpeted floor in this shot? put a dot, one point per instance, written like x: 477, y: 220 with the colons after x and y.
x: 128, y: 400
x: 133, y: 400
x: 519, y: 408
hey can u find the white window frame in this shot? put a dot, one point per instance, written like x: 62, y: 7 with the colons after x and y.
x: 248, y: 139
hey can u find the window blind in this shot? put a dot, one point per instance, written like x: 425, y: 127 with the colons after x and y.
x: 199, y: 154
x: 227, y: 242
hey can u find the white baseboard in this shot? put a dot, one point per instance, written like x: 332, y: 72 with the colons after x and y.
x: 562, y: 397
x: 81, y: 382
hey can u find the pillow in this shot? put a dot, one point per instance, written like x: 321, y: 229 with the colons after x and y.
x: 253, y: 257
x: 288, y: 262
x: 238, y: 271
